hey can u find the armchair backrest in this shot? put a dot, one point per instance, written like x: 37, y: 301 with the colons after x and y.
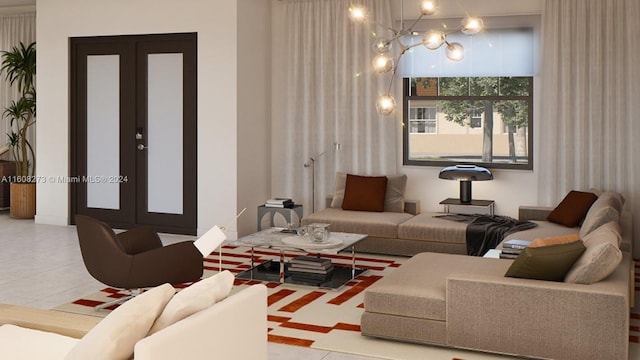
x: 102, y: 252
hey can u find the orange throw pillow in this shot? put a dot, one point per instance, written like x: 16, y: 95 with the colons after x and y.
x: 364, y: 193
x: 554, y: 240
x: 572, y: 209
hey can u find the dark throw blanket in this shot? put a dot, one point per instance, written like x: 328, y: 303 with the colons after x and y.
x: 485, y: 232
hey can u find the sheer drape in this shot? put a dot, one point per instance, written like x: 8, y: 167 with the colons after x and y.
x: 324, y: 95
x: 14, y: 29
x: 589, y: 128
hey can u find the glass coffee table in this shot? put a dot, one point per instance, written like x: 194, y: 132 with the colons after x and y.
x: 277, y: 269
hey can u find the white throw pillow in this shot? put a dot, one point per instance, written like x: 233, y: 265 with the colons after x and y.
x: 600, y: 258
x: 197, y: 297
x: 116, y: 335
x: 17, y: 343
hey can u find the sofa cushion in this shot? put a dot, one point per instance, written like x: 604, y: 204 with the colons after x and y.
x: 601, y: 257
x: 572, y: 209
x: 601, y: 212
x: 17, y: 343
x: 607, y: 208
x: 116, y: 335
x: 418, y: 287
x: 377, y: 224
x: 194, y: 298
x: 394, y: 196
x: 338, y: 190
x: 426, y: 227
x: 547, y: 262
x: 364, y: 193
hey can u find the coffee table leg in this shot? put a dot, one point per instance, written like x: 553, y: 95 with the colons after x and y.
x: 281, y: 266
x: 353, y: 262
x: 252, y: 266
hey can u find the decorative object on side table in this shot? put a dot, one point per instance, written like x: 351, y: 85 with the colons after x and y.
x: 465, y: 174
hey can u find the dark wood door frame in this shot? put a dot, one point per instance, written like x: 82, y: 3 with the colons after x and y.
x: 133, y: 98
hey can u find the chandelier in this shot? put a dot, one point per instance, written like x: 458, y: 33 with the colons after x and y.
x: 383, y: 61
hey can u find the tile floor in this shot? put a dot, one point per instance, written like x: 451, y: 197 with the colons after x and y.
x: 41, y: 266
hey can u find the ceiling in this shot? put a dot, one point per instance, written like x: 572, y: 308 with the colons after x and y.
x: 17, y: 2
x: 448, y: 8
x: 461, y: 8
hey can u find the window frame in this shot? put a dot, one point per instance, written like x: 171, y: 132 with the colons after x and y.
x: 406, y: 132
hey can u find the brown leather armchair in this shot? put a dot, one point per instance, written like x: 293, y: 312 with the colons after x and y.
x: 136, y: 258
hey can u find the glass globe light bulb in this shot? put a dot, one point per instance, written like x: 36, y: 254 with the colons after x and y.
x: 433, y: 39
x: 455, y: 51
x: 385, y: 104
x: 428, y: 7
x: 382, y: 46
x: 382, y: 63
x: 357, y: 13
x: 471, y: 25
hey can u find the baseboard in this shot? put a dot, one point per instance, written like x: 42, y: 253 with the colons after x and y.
x: 52, y: 220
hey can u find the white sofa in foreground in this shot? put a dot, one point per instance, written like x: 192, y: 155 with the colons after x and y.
x: 233, y: 328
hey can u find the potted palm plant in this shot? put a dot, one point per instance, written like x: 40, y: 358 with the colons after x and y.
x: 19, y: 66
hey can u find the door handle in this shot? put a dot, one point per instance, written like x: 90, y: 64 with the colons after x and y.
x: 142, y: 147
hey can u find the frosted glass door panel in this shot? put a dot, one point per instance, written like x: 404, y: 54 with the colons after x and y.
x: 164, y: 135
x: 103, y: 131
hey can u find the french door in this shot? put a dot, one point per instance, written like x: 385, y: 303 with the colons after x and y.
x: 133, y: 130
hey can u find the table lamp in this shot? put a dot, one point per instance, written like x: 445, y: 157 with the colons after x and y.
x: 465, y: 174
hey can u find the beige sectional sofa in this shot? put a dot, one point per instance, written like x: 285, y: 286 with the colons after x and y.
x: 467, y: 302
x: 398, y: 233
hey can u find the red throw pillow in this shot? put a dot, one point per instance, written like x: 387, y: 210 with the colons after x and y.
x: 573, y: 208
x: 364, y: 193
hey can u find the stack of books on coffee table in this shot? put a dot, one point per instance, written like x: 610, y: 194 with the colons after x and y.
x: 310, y: 269
x: 512, y: 248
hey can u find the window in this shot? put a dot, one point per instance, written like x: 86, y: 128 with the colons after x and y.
x: 422, y: 120
x: 479, y: 120
x: 476, y: 119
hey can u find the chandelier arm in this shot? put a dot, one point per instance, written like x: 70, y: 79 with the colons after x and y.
x: 409, y: 30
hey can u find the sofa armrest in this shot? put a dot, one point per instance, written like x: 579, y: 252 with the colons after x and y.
x: 539, y: 318
x: 63, y: 323
x: 534, y: 212
x: 412, y: 207
x: 235, y: 328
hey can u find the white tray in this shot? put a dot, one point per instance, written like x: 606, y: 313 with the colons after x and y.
x: 304, y: 243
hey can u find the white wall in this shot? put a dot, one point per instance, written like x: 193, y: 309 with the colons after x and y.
x: 254, y: 109
x: 216, y: 24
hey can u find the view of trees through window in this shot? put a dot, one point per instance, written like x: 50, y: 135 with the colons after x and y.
x: 480, y: 120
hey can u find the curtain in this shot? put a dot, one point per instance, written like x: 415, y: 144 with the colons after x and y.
x: 589, y: 131
x: 14, y: 28
x: 324, y: 99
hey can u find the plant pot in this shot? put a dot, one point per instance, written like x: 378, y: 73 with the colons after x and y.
x: 23, y: 200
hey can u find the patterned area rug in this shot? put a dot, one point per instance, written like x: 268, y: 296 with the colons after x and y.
x: 328, y: 319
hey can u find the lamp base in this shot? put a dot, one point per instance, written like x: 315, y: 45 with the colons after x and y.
x: 465, y: 191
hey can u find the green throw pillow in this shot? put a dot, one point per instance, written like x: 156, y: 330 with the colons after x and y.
x: 546, y: 263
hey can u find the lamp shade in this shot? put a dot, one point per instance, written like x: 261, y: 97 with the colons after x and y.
x: 466, y: 172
